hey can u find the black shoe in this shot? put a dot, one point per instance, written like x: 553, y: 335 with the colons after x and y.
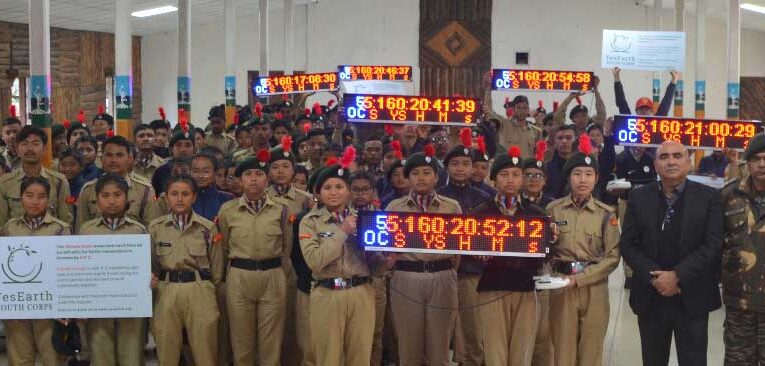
x: 628, y: 283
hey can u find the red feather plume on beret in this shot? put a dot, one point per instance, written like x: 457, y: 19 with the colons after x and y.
x: 349, y: 156
x: 259, y: 110
x: 236, y: 118
x: 514, y: 152
x: 331, y: 103
x: 509, y: 112
x: 395, y: 145
x: 307, y: 112
x: 541, y: 104
x: 578, y: 100
x: 66, y: 124
x: 481, y: 142
x: 101, y: 109
x: 263, y: 155
x: 541, y: 150
x: 279, y: 116
x: 430, y: 150
x: 317, y: 109
x: 388, y: 129
x: 162, y: 114
x: 585, y: 147
x: 287, y: 143
x: 555, y: 106
x: 466, y: 137
x: 81, y: 116
x: 306, y: 128
x: 12, y: 111
x: 110, y: 133
x: 331, y: 160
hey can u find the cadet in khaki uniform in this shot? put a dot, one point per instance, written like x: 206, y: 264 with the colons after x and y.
x: 146, y: 161
x: 25, y: 339
x: 280, y: 173
x: 342, y: 300
x: 217, y: 136
x: 256, y: 236
x: 31, y: 145
x: 586, y: 253
x: 114, y: 341
x: 508, y: 314
x: 117, y: 159
x: 514, y: 129
x: 188, y: 260
x: 429, y: 281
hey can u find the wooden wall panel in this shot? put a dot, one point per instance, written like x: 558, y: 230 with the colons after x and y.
x: 80, y: 63
x: 752, y: 97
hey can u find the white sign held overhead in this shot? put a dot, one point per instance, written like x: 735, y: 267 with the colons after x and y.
x: 381, y: 87
x: 639, y: 50
x: 78, y: 276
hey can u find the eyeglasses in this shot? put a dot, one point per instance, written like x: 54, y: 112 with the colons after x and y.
x: 439, y: 139
x: 231, y: 178
x: 534, y: 175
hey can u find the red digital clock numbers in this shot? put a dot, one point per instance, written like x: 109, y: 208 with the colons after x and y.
x: 696, y: 133
x: 543, y: 80
x: 454, y: 234
x: 359, y: 72
x: 290, y: 84
x: 411, y: 109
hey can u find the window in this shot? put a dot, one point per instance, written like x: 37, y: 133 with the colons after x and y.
x: 16, y: 96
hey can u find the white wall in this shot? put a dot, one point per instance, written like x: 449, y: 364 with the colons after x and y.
x: 557, y: 34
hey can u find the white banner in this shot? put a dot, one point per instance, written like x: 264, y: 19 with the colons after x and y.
x: 637, y: 50
x: 79, y: 276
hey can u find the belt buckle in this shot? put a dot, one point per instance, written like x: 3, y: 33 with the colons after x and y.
x: 340, y: 283
x: 577, y: 267
x: 427, y: 267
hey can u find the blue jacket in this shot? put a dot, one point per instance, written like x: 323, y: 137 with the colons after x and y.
x: 467, y: 196
x: 91, y: 172
x: 485, y: 188
x: 556, y: 186
x: 209, y: 201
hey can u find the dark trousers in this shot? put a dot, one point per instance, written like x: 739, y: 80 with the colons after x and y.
x: 744, y: 337
x: 657, y: 327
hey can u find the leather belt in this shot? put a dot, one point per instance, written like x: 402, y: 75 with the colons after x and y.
x: 341, y: 283
x: 184, y: 276
x: 424, y: 267
x: 252, y: 265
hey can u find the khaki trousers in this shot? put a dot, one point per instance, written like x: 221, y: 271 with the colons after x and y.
x: 342, y: 325
x: 225, y: 354
x: 117, y: 341
x: 468, y: 347
x: 25, y: 339
x: 380, y: 285
x: 303, y: 328
x: 256, y: 306
x: 292, y: 354
x: 580, y: 319
x: 543, y: 349
x: 508, y: 327
x: 191, y: 306
x: 424, y: 310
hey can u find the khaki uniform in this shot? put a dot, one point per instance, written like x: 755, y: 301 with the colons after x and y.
x: 115, y: 341
x: 342, y: 320
x: 422, y: 330
x: 224, y: 142
x: 10, y: 195
x: 295, y: 201
x: 25, y: 339
x: 255, y: 299
x: 579, y: 315
x: 186, y: 305
x: 143, y: 207
x: 559, y: 116
x: 240, y: 155
x: 147, y: 171
x: 513, y: 132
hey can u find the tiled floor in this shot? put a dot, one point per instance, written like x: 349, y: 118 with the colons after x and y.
x: 622, y: 344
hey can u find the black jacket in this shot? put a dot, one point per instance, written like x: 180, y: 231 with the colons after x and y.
x: 699, y: 247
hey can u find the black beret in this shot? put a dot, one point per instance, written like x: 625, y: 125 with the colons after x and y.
x: 425, y: 158
x: 57, y: 130
x: 582, y: 158
x: 538, y: 161
x: 511, y: 160
x: 259, y: 161
x: 283, y: 151
x: 519, y: 99
x: 756, y: 145
x: 577, y: 109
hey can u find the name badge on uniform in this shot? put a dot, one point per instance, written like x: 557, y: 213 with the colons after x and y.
x: 328, y: 234
x: 164, y: 244
x: 561, y: 223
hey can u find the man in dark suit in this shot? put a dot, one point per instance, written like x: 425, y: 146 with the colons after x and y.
x: 672, y: 238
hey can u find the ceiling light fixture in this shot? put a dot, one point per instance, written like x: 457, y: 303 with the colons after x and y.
x: 752, y: 7
x: 154, y: 11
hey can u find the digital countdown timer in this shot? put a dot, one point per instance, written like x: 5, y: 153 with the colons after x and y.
x: 360, y: 72
x: 543, y: 80
x: 291, y: 84
x: 413, y: 232
x: 707, y: 134
x: 411, y: 109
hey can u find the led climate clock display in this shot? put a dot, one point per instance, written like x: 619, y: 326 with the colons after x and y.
x: 454, y: 234
x: 697, y: 133
x: 290, y: 84
x: 543, y: 80
x: 359, y: 72
x: 411, y: 109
